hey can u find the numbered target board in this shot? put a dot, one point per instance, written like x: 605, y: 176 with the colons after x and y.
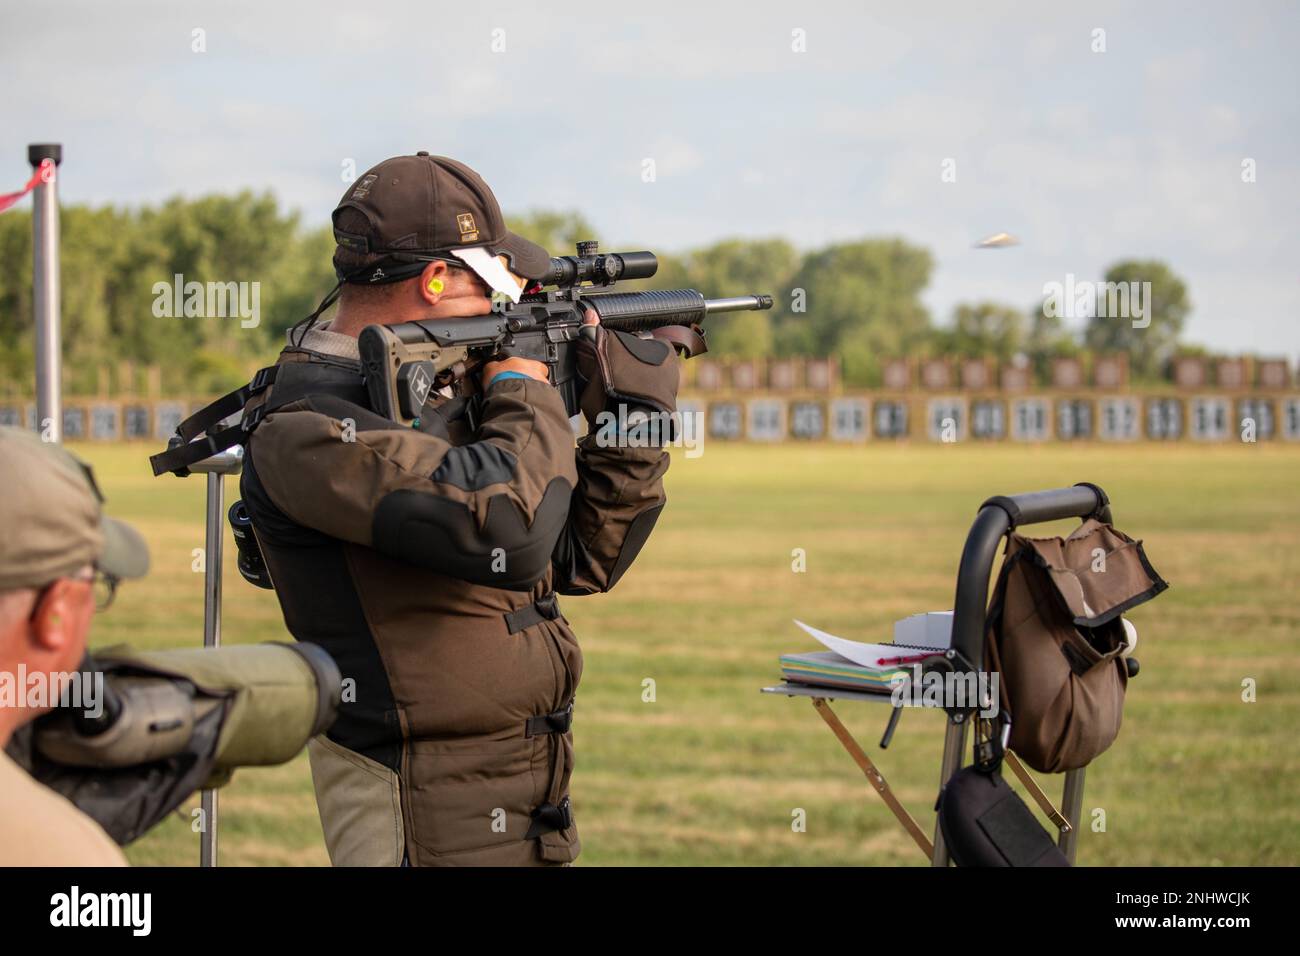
x: 849, y: 419
x: 1029, y: 419
x: 1119, y: 419
x: 890, y: 419
x: 1164, y: 419
x: 807, y: 420
x: 1208, y: 419
x: 766, y: 420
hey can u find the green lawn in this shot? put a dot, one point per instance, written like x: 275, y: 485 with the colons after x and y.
x: 711, y: 771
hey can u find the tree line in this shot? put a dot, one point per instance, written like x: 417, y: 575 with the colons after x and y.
x: 858, y: 300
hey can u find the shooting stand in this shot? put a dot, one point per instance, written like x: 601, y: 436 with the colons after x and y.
x: 228, y: 462
x: 997, y: 517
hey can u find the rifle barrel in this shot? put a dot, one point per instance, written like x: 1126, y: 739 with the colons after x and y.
x: 738, y: 303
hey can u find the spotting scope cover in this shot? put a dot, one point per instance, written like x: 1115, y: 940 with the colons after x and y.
x: 177, y: 721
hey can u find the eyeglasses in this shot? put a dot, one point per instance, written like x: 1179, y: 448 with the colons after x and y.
x: 413, y: 258
x: 104, y: 586
x: 453, y: 262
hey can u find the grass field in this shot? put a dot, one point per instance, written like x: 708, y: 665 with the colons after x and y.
x: 710, y: 772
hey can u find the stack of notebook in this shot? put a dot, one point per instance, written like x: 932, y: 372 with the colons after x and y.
x: 852, y: 664
x: 829, y: 669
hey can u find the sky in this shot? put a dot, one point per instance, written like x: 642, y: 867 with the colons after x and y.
x: 816, y: 121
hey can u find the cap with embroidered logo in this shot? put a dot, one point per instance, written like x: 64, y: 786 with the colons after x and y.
x: 425, y: 204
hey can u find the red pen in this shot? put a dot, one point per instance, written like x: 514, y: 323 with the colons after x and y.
x: 908, y: 660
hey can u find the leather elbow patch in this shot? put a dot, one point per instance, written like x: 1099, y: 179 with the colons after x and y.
x: 637, y: 534
x: 441, y: 535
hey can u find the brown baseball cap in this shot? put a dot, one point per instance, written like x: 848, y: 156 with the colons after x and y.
x: 425, y: 204
x: 50, y: 510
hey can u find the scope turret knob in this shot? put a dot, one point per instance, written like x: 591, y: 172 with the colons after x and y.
x: 588, y: 247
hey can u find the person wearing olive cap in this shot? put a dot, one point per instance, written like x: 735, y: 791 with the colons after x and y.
x: 427, y: 560
x: 60, y: 560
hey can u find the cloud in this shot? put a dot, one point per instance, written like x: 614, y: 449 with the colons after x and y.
x: 1087, y: 157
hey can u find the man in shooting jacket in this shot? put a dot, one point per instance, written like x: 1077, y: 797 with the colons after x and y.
x: 427, y: 559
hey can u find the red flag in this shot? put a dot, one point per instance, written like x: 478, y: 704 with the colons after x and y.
x: 44, y: 173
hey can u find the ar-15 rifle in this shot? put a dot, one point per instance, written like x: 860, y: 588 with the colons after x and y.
x: 403, y: 364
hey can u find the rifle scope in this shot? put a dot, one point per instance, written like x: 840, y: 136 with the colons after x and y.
x: 591, y: 265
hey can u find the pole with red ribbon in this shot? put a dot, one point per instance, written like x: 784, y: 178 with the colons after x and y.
x: 45, y: 159
x: 44, y: 173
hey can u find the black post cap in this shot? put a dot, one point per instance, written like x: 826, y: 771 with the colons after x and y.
x: 37, y: 152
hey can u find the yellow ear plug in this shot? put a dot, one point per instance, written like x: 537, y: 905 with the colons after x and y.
x: 435, y: 285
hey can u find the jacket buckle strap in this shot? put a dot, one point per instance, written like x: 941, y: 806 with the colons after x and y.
x: 550, y: 817
x: 545, y: 608
x: 558, y: 722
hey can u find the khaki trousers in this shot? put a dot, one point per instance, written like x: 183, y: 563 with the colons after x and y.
x: 360, y: 806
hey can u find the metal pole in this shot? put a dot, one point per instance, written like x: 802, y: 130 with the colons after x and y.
x: 1072, y: 808
x: 45, y: 293
x: 954, y: 745
x: 213, y: 541
x: 216, y: 468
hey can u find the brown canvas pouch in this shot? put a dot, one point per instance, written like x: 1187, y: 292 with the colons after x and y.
x: 1055, y: 637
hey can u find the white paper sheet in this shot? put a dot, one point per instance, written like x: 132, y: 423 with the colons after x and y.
x: 864, y: 655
